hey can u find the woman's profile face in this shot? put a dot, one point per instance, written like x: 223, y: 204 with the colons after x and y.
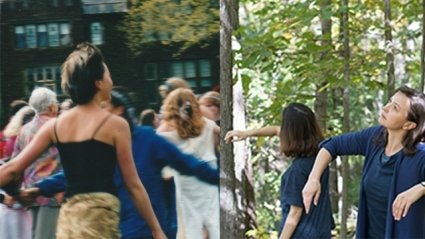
x: 394, y: 114
x: 209, y: 110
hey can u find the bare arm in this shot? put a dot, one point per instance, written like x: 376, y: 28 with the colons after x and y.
x: 41, y: 141
x: 216, y: 135
x: 311, y: 190
x: 237, y: 135
x: 122, y: 139
x: 291, y: 222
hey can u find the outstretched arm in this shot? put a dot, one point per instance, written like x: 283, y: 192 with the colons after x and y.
x: 42, y: 140
x: 311, y: 190
x: 186, y: 164
x: 122, y: 139
x: 237, y: 135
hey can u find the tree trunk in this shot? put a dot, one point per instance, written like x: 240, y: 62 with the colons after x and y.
x: 320, y: 104
x: 389, y: 49
x: 423, y: 49
x: 243, y: 170
x: 229, y: 225
x: 326, y: 43
x: 345, y: 174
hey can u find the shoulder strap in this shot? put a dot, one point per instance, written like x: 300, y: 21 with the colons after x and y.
x: 54, y: 129
x: 100, y: 125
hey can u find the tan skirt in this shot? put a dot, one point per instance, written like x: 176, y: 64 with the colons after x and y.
x: 89, y: 216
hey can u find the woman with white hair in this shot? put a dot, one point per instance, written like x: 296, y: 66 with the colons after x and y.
x: 44, y: 211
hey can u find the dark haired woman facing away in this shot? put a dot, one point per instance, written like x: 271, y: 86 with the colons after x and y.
x: 91, y: 142
x: 300, y: 136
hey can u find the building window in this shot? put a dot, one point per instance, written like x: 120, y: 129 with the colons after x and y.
x: 43, y: 35
x: 30, y: 36
x: 205, y: 73
x: 196, y: 72
x: 96, y: 33
x: 53, y: 34
x: 65, y: 38
x: 47, y: 76
x: 20, y: 37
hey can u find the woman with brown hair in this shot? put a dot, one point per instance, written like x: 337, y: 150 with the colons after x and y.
x: 392, y: 188
x: 184, y: 125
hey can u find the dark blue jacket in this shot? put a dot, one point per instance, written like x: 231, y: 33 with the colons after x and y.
x: 409, y: 171
x: 151, y: 153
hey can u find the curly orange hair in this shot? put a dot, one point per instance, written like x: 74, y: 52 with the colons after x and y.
x: 182, y: 110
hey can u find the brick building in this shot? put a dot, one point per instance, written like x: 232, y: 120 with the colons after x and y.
x: 37, y: 35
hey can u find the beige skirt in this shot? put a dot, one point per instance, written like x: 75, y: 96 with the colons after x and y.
x: 89, y: 216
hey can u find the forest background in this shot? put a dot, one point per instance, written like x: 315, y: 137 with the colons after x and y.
x: 341, y: 57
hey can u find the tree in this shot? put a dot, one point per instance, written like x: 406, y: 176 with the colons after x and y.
x: 230, y: 223
x: 389, y: 49
x: 184, y: 22
x: 286, y: 57
x: 423, y: 49
x: 346, y: 115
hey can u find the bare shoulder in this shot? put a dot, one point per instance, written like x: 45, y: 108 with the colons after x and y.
x: 117, y: 122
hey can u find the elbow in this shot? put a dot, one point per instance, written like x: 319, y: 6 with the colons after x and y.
x: 134, y: 188
x: 294, y: 215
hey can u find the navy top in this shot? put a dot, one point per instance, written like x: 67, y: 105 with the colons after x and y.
x: 409, y: 170
x: 89, y: 165
x: 319, y: 221
x: 376, y: 185
x: 151, y: 153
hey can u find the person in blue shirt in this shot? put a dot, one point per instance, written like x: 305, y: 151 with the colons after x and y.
x: 300, y: 136
x: 151, y: 153
x: 392, y: 202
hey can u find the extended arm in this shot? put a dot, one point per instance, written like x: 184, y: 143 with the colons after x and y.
x: 184, y: 163
x: 354, y: 143
x: 12, y: 169
x: 237, y: 135
x: 291, y: 222
x: 51, y: 185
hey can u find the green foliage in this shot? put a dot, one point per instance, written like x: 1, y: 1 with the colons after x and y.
x: 183, y: 22
x: 281, y: 59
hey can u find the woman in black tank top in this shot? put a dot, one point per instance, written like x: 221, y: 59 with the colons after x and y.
x: 91, y: 142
